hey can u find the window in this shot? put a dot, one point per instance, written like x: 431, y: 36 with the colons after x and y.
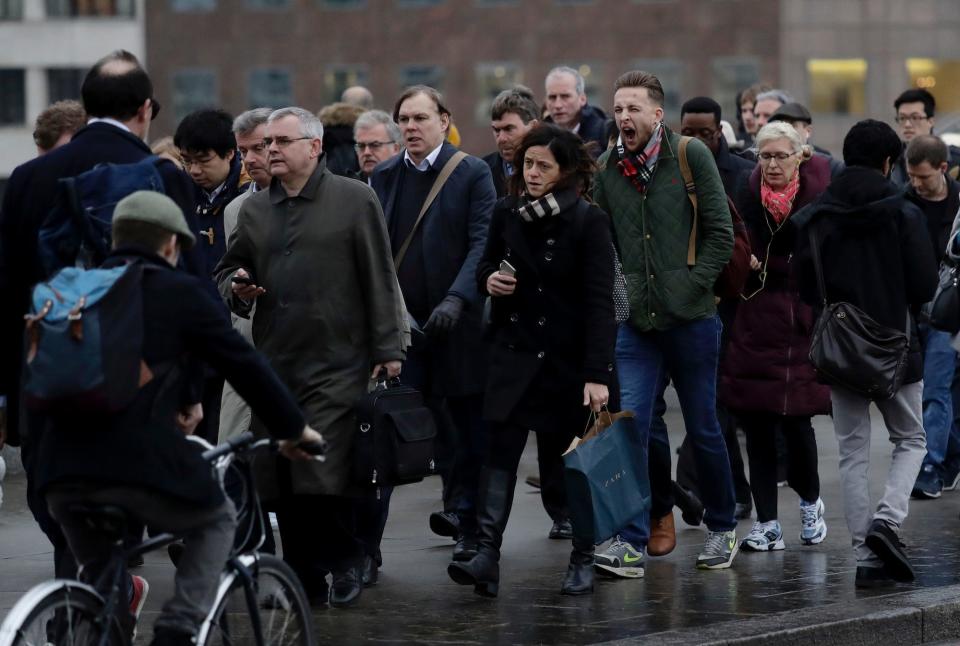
x: 418, y: 3
x: 193, y: 5
x: 431, y: 75
x: 267, y: 4
x: 837, y: 85
x: 63, y: 84
x: 492, y: 79
x: 731, y: 75
x: 193, y: 89
x: 940, y: 78
x: 670, y: 73
x: 13, y: 100
x: 343, y: 4
x: 90, y: 8
x: 11, y: 9
x: 338, y: 78
x: 270, y: 88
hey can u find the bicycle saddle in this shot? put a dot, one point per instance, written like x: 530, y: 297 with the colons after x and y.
x: 104, y: 519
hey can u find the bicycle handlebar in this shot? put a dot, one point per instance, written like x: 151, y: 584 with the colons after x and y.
x: 247, y: 442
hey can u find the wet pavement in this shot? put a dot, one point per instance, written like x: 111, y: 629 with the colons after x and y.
x: 415, y: 602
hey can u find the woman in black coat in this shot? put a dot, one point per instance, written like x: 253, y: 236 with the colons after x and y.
x: 548, y: 266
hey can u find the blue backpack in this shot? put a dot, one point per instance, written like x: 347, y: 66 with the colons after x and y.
x: 84, y: 341
x: 76, y: 232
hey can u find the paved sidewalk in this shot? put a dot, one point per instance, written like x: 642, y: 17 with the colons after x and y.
x: 416, y: 602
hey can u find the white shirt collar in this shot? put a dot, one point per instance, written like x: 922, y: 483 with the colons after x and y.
x: 212, y: 195
x: 112, y: 122
x: 427, y: 162
x: 576, y: 129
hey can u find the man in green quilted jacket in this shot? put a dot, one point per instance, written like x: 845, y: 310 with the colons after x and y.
x: 673, y: 325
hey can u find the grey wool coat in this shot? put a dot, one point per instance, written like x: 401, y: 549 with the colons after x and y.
x: 330, y: 310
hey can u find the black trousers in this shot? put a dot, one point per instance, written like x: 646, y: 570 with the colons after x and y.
x: 687, y: 468
x: 802, y: 473
x: 461, y: 434
x: 371, y: 519
x: 64, y: 564
x: 209, y: 426
x: 318, y: 535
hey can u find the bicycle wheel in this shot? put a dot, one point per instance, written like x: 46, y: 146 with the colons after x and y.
x: 64, y: 613
x: 280, y: 602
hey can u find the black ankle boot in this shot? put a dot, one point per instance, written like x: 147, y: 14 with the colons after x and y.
x: 579, y: 579
x: 493, y: 510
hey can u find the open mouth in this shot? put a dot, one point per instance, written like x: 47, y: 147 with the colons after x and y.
x: 628, y: 134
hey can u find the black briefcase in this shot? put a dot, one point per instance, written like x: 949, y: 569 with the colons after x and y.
x: 395, y: 437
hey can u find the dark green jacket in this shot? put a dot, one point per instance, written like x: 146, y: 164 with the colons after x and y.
x: 653, y: 231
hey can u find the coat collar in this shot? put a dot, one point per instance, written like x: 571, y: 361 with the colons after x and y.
x: 309, y: 190
x: 105, y: 128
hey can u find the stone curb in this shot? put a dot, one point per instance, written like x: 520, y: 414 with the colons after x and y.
x: 916, y: 617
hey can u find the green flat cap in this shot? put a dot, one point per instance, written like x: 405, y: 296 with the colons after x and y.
x: 157, y: 209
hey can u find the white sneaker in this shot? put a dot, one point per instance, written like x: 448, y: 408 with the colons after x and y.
x: 813, y: 529
x: 764, y: 537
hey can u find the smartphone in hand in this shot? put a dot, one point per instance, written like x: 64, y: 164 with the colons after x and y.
x: 507, y: 269
x: 241, y: 280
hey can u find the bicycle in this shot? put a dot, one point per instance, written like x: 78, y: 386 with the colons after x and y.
x: 67, y: 612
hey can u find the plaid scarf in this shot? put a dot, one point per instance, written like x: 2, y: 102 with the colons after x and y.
x: 638, y: 167
x: 549, y: 204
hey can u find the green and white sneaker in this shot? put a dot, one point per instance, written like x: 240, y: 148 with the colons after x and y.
x: 718, y: 550
x: 764, y: 537
x: 620, y: 559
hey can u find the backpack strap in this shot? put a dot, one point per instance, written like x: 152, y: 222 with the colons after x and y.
x: 438, y: 183
x: 691, y: 189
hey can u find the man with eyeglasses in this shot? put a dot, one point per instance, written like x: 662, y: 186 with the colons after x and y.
x: 377, y: 139
x: 915, y: 116
x: 312, y: 253
x: 117, y: 95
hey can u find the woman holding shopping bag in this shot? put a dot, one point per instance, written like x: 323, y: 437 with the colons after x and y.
x: 549, y: 269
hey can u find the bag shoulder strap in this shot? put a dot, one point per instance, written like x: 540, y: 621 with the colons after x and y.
x: 691, y: 188
x: 438, y: 183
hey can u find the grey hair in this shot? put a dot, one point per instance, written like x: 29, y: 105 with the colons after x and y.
x: 248, y: 121
x: 310, y: 125
x: 372, y: 118
x: 779, y: 130
x: 774, y: 95
x: 563, y: 69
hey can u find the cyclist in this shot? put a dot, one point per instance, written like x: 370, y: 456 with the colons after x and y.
x: 139, y: 459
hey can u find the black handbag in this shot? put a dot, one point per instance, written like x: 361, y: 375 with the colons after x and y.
x: 851, y: 350
x: 945, y: 307
x: 394, y: 444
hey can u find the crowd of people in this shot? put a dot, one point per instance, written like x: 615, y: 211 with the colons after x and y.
x: 578, y: 267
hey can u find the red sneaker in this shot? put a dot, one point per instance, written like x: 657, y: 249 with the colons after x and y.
x: 140, y: 590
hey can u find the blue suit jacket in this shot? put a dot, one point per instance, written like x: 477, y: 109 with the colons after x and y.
x: 454, y: 235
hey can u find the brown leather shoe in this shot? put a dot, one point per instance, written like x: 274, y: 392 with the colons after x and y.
x: 663, y: 536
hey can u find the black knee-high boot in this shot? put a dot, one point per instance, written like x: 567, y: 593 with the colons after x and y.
x: 579, y: 579
x: 493, y: 510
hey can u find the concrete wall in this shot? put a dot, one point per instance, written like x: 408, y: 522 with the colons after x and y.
x: 37, y: 43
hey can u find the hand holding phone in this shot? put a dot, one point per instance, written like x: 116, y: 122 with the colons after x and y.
x: 243, y: 286
x: 504, y: 281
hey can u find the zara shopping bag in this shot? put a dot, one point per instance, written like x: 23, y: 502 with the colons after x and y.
x: 606, y: 476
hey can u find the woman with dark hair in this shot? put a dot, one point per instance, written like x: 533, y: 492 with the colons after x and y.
x: 549, y: 268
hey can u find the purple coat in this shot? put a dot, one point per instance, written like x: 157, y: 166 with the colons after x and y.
x: 765, y: 367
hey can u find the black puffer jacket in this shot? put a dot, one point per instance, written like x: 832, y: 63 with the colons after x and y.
x: 875, y: 250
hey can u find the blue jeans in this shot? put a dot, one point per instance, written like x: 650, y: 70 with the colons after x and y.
x: 689, y: 353
x: 939, y: 360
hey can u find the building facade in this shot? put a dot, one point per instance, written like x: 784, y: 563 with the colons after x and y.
x: 48, y: 46
x: 246, y: 53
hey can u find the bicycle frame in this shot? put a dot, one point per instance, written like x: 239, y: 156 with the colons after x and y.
x: 243, y: 566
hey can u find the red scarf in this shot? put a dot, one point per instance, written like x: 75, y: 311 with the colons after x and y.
x: 778, y: 203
